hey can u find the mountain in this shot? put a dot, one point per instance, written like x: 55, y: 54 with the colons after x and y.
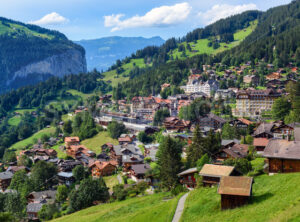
x: 276, y: 39
x: 102, y: 53
x: 29, y: 54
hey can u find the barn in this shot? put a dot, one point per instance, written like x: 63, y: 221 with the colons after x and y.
x: 235, y: 191
x: 283, y: 156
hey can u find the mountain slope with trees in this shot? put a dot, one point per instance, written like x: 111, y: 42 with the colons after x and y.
x: 275, y: 40
x: 22, y: 49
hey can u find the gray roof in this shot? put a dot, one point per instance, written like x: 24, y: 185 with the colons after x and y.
x: 119, y: 149
x: 49, y: 194
x: 188, y: 171
x: 65, y: 174
x: 140, y: 168
x: 227, y: 142
x: 282, y: 149
x: 6, y: 175
x: 264, y: 128
x: 34, y: 207
x: 132, y: 158
x: 217, y: 118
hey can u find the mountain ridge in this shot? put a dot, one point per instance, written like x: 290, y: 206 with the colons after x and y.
x: 101, y: 53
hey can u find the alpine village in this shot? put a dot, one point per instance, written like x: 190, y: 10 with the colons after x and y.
x: 200, y: 128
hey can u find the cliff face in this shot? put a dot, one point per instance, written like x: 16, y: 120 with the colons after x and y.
x: 70, y: 62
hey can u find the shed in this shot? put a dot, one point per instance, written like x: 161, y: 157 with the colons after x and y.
x: 235, y: 191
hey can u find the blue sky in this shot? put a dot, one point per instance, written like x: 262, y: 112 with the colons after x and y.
x: 89, y: 19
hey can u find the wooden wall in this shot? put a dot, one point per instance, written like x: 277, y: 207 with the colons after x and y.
x: 284, y: 166
x: 230, y: 201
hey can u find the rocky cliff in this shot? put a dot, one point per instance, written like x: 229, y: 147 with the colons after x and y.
x: 70, y: 62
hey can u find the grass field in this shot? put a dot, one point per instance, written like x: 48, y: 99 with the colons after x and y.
x: 275, y: 198
x: 30, y: 140
x: 16, y: 28
x: 97, y: 141
x: 14, y: 121
x: 201, y: 46
x: 60, y: 154
x: 139, y: 209
x: 111, y: 181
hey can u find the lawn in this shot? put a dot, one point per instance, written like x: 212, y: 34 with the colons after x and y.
x: 139, y: 209
x: 201, y: 46
x: 15, y: 120
x: 60, y: 154
x: 275, y: 198
x: 30, y: 140
x: 76, y: 93
x: 111, y: 181
x: 97, y: 141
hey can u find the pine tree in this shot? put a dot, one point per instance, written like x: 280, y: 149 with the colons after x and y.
x: 196, y: 149
x: 169, y: 161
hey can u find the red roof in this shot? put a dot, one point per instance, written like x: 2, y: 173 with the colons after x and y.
x: 260, y: 142
x: 245, y: 121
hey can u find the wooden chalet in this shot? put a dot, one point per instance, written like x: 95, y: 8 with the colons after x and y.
x: 126, y: 138
x: 99, y: 168
x: 77, y: 151
x: 138, y: 171
x: 176, y: 125
x: 235, y: 191
x: 264, y: 130
x: 212, y: 121
x: 234, y: 152
x: 5, y: 179
x: 212, y: 173
x: 283, y: 156
x: 71, y: 141
x: 260, y: 144
x: 273, y: 76
x: 187, y: 177
x: 65, y: 178
x: 240, y: 123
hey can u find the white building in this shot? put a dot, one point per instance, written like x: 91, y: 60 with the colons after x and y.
x: 197, y: 86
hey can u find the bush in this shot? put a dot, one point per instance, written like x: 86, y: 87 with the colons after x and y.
x: 178, y: 189
x: 142, y: 187
x: 119, y: 192
x: 242, y: 165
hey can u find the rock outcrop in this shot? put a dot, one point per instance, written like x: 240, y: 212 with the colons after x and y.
x: 70, y: 62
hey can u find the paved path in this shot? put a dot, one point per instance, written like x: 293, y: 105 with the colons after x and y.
x: 120, y: 179
x: 180, y: 207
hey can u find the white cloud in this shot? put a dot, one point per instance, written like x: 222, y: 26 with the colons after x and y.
x: 218, y: 12
x: 161, y: 16
x: 50, y: 19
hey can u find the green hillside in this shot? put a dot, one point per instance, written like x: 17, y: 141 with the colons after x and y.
x: 275, y: 198
x: 22, y: 44
x: 156, y: 207
x: 198, y: 47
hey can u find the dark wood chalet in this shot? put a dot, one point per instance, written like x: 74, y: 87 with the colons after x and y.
x: 235, y: 191
x: 187, y: 177
x: 212, y: 121
x: 283, y: 156
x: 211, y: 174
x: 177, y: 125
x: 260, y: 144
x: 5, y: 179
x: 240, y: 123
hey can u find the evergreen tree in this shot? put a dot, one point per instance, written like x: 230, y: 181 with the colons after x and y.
x: 169, y: 161
x: 196, y: 149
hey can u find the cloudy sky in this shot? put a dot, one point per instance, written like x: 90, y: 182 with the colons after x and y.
x: 89, y: 19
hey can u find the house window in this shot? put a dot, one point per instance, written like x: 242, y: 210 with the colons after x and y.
x: 189, y: 177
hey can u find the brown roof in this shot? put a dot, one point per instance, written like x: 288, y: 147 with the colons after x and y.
x: 283, y: 149
x: 72, y: 139
x: 216, y: 170
x: 260, y: 142
x: 101, y: 165
x: 264, y: 128
x: 237, y: 150
x: 239, y: 186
